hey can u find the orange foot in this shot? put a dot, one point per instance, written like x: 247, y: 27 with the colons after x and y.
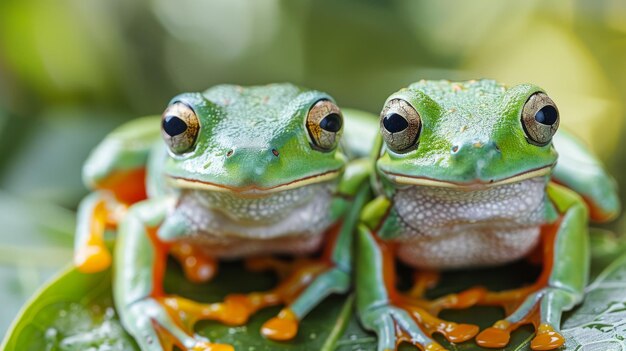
x: 189, y: 312
x: 529, y: 310
x: 499, y: 334
x: 285, y: 325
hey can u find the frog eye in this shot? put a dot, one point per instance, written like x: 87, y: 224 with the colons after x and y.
x: 324, y: 124
x: 400, y: 125
x: 540, y: 119
x: 179, y: 127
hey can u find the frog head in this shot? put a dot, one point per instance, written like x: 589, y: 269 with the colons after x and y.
x: 252, y: 141
x: 467, y: 134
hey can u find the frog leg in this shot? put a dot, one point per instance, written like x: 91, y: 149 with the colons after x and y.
x: 96, y: 212
x: 143, y: 308
x: 381, y: 310
x: 102, y: 210
x: 580, y: 170
x: 561, y: 284
x: 313, y: 280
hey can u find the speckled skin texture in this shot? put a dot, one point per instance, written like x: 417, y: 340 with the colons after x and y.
x: 446, y: 228
x: 288, y: 222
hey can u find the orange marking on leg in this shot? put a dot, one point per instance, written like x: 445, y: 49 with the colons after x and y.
x: 198, y: 267
x: 160, y: 260
x: 128, y: 186
x: 94, y: 256
x: 331, y: 241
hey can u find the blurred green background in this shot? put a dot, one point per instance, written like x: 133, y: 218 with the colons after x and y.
x: 71, y: 70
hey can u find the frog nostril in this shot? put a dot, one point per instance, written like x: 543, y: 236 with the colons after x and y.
x: 229, y: 153
x: 455, y: 149
x: 275, y: 152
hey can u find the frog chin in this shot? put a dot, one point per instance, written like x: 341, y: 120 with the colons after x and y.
x: 252, y: 190
x: 478, y: 184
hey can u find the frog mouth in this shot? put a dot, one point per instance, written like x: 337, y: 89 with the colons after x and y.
x: 250, y: 190
x: 472, y: 185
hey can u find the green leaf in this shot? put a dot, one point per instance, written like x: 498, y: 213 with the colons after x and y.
x: 35, y: 242
x: 72, y: 313
x: 600, y: 322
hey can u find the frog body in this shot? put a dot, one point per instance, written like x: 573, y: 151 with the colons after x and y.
x: 467, y: 176
x: 233, y: 172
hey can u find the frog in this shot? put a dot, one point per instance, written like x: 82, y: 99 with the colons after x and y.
x: 466, y: 175
x: 228, y: 173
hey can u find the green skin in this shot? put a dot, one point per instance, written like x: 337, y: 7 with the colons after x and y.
x: 251, y: 121
x: 490, y: 115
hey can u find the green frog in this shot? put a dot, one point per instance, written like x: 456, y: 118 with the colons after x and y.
x: 232, y: 172
x: 467, y: 176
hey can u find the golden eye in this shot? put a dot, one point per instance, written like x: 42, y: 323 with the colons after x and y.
x: 400, y: 125
x: 324, y: 124
x: 179, y: 127
x: 540, y: 119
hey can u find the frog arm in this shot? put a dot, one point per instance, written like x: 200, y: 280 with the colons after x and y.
x: 355, y: 174
x: 354, y: 177
x: 354, y: 187
x: 118, y: 163
x: 561, y: 285
x: 116, y: 170
x: 140, y: 259
x: 380, y: 216
x: 571, y: 246
x: 377, y: 313
x: 581, y: 171
x: 337, y: 278
x: 90, y: 252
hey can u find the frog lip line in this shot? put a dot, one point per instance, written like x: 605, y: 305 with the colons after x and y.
x: 403, y: 179
x: 187, y: 183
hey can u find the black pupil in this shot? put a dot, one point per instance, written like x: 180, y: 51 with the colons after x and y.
x: 395, y: 123
x: 173, y: 125
x: 547, y: 115
x: 331, y: 123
